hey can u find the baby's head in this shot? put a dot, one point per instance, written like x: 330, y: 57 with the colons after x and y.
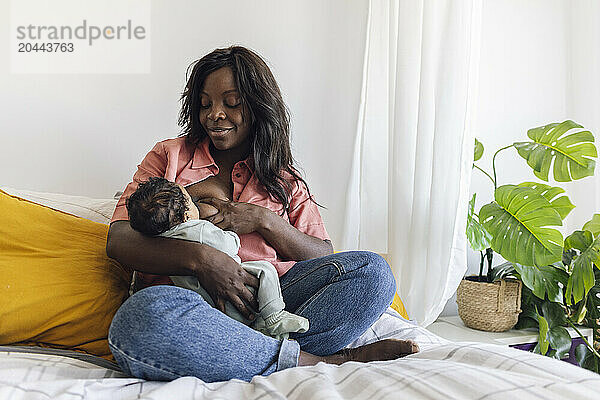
x: 158, y: 205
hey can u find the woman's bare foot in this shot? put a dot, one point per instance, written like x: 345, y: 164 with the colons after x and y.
x: 388, y: 349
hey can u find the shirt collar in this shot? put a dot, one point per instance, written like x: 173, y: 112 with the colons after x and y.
x: 249, y: 162
x: 203, y: 159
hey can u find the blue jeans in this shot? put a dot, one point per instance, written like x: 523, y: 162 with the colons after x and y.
x: 166, y: 332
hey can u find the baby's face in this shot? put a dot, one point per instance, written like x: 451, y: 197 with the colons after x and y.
x: 192, y: 212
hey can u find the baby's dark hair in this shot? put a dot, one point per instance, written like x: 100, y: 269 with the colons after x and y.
x: 156, y: 206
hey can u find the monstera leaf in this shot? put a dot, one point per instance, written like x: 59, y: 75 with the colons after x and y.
x: 593, y: 302
x: 502, y: 271
x: 561, y: 204
x: 479, y: 238
x: 478, y: 151
x: 517, y: 221
x: 587, y: 359
x: 558, y: 336
x: 573, y: 153
x: 593, y: 225
x: 542, y: 345
x: 582, y: 275
x: 544, y: 281
x: 552, y: 333
x: 530, y: 303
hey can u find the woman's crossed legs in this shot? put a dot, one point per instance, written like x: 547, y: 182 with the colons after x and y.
x: 165, y: 332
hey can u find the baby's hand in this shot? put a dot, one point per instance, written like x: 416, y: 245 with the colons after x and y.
x: 206, y: 210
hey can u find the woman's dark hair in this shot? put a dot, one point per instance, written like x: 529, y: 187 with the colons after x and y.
x: 269, y: 117
x: 156, y: 206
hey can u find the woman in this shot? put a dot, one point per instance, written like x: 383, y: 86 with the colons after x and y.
x: 235, y: 146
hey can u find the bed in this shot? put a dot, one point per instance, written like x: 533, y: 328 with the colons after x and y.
x: 441, y: 370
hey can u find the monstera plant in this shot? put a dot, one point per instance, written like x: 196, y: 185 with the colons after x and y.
x: 561, y: 287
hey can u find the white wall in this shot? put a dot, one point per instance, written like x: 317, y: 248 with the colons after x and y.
x: 530, y: 75
x: 85, y: 134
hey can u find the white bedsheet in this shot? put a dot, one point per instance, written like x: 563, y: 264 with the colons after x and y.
x: 442, y: 370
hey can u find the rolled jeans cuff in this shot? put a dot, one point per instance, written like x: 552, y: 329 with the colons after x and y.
x: 288, y: 354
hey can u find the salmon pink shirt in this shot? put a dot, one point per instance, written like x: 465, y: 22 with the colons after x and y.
x: 181, y: 162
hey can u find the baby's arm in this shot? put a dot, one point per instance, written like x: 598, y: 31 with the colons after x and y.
x: 226, y: 241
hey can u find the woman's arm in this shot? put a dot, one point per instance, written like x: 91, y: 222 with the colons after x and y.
x: 159, y: 256
x: 288, y: 241
x: 219, y: 274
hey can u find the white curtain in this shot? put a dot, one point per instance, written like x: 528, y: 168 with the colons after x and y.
x: 409, y: 184
x: 583, y: 98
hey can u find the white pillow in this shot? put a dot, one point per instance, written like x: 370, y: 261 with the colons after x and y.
x: 97, y: 210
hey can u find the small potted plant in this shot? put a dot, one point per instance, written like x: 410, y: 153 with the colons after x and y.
x: 561, y: 287
x: 516, y: 224
x: 491, y: 301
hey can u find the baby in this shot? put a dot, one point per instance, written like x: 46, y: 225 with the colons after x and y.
x: 162, y: 208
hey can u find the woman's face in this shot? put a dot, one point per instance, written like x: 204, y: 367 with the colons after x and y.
x: 221, y: 112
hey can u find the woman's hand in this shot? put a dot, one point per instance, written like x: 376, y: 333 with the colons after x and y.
x: 241, y: 218
x: 225, y: 280
x: 219, y: 274
x: 289, y: 242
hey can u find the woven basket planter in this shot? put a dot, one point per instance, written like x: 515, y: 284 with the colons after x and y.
x: 491, y: 307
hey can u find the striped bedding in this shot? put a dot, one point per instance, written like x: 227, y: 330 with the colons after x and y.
x: 442, y: 370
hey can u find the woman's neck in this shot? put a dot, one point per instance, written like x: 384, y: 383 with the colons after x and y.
x: 228, y: 158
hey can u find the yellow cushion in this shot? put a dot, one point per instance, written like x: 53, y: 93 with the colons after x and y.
x: 57, y: 286
x: 399, y: 306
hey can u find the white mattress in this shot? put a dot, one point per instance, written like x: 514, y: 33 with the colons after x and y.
x: 442, y: 370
